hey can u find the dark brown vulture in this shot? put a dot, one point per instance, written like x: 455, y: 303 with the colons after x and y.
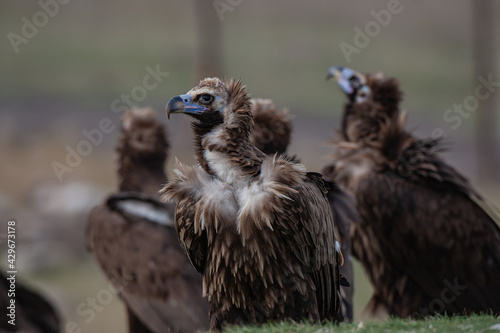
x: 33, y: 313
x: 271, y: 133
x: 426, y: 238
x: 272, y: 127
x: 258, y: 228
x: 132, y: 236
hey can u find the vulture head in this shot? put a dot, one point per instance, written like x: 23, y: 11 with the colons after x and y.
x: 142, y: 152
x: 213, y: 102
x: 272, y: 127
x: 143, y: 135
x: 367, y: 88
x: 373, y: 105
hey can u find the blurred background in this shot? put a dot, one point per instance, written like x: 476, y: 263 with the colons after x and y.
x: 67, y: 65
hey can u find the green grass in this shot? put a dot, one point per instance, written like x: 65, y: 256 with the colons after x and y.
x: 475, y: 323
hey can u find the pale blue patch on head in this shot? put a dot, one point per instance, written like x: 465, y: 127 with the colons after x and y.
x: 344, y: 82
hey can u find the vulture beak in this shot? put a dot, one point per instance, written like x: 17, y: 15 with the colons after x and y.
x: 334, y: 72
x: 342, y: 76
x: 183, y: 104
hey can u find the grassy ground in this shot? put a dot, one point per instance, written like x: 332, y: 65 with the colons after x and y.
x: 438, y: 324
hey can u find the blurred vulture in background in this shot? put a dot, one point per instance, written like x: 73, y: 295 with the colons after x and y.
x: 258, y: 228
x: 33, y: 313
x: 272, y: 127
x: 428, y: 241
x: 271, y: 134
x: 132, y: 236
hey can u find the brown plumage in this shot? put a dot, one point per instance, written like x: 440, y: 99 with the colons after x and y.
x: 426, y: 238
x: 272, y: 127
x: 142, y: 153
x: 271, y: 133
x: 344, y: 212
x: 32, y: 313
x: 257, y: 228
x: 132, y: 236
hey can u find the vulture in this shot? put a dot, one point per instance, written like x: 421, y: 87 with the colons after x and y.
x: 272, y: 127
x: 428, y: 241
x: 258, y: 228
x: 33, y: 313
x: 133, y: 238
x: 271, y: 134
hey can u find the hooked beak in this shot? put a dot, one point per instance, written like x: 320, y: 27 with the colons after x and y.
x: 341, y: 75
x: 183, y: 104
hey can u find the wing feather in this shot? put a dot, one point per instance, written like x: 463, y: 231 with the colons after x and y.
x: 431, y: 226
x: 307, y: 222
x: 143, y: 260
x: 193, y: 242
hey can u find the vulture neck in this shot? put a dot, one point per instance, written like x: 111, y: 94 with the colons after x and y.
x: 225, y: 150
x: 372, y: 126
x: 200, y: 130
x: 369, y: 123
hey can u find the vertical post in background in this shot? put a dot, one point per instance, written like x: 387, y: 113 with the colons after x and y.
x: 484, y: 44
x: 209, y: 33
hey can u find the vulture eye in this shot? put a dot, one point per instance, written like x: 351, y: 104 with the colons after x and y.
x: 206, y: 98
x: 354, y: 80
